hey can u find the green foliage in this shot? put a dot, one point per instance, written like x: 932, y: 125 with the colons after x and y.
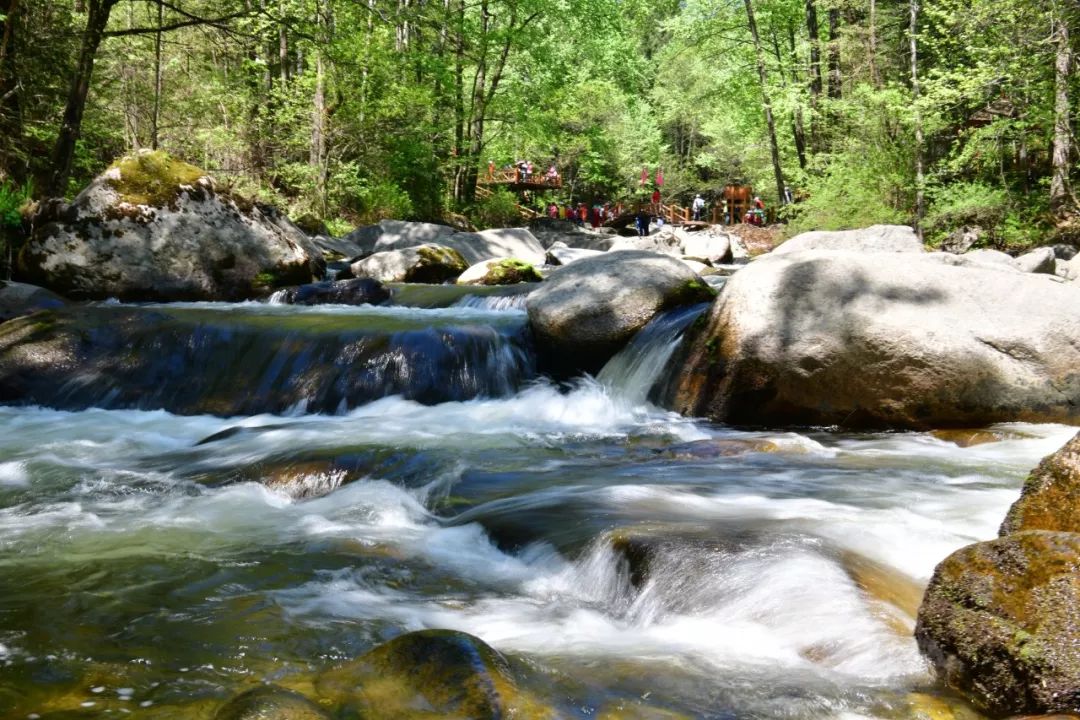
x: 384, y: 200
x: 13, y: 201
x: 498, y: 210
x: 965, y: 204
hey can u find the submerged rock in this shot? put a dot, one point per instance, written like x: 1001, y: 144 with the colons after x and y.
x: 423, y: 264
x: 18, y: 299
x: 358, y: 291
x: 1051, y: 496
x: 428, y: 674
x: 500, y: 272
x: 1000, y: 622
x: 586, y: 311
x: 154, y: 228
x: 270, y: 703
x: 883, y: 340
x: 877, y: 239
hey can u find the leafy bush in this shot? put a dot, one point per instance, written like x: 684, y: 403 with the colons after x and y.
x: 13, y: 199
x: 497, y: 210
x: 384, y: 201
x: 967, y: 204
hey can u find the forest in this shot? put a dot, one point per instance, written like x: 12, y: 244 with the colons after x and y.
x: 942, y: 114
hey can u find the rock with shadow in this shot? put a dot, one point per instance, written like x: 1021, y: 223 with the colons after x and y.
x: 152, y: 228
x: 357, y: 291
x: 893, y: 340
x: 18, y: 299
x: 270, y: 703
x: 878, y: 238
x: 586, y: 311
x: 422, y: 264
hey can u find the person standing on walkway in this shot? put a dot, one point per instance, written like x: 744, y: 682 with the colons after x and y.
x: 698, y: 206
x: 641, y: 220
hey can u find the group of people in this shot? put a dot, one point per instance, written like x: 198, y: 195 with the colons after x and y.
x: 595, y: 215
x: 525, y: 171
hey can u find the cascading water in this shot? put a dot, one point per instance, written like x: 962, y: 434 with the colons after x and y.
x: 637, y: 562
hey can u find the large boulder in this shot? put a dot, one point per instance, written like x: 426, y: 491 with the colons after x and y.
x: 428, y: 674
x: 586, y: 311
x: 422, y: 264
x: 561, y: 254
x: 357, y: 291
x: 710, y: 245
x: 18, y: 299
x: 154, y: 228
x: 1041, y: 260
x: 1000, y: 622
x: 879, y: 238
x: 883, y: 340
x: 1051, y: 496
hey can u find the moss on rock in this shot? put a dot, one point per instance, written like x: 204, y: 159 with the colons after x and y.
x: 270, y: 703
x: 1000, y: 622
x: 1051, y: 496
x: 151, y: 178
x: 510, y: 271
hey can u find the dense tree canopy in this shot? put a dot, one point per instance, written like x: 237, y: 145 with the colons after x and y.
x: 941, y: 112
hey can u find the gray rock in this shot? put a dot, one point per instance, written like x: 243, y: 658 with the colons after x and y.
x: 664, y: 242
x: 1000, y: 622
x: 584, y: 312
x: 423, y: 264
x: 987, y: 257
x: 1068, y: 269
x: 878, y: 238
x: 709, y: 245
x: 398, y: 234
x: 962, y: 239
x: 1041, y: 262
x: 1064, y: 252
x: 474, y: 247
x: 509, y: 271
x: 559, y: 254
x: 338, y: 248
x: 357, y: 291
x: 549, y: 232
x: 176, y: 238
x: 881, y: 339
x: 18, y: 299
x: 270, y: 703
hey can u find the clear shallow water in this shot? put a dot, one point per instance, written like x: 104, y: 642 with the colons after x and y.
x: 159, y: 564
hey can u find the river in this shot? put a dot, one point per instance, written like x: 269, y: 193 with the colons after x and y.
x: 156, y: 563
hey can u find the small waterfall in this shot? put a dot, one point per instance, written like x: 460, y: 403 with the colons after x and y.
x: 260, y: 359
x: 500, y: 303
x: 278, y: 298
x: 632, y: 373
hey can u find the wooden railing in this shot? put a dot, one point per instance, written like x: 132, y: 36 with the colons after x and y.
x: 513, y: 176
x: 527, y: 213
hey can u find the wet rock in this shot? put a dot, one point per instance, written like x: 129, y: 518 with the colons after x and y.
x: 1000, y: 622
x: 18, y: 299
x: 972, y: 438
x: 897, y: 596
x: 1041, y: 261
x: 423, y: 264
x: 154, y: 228
x: 1050, y: 499
x: 876, y: 239
x: 586, y: 311
x: 358, y: 291
x: 882, y: 340
x: 499, y: 272
x: 270, y: 703
x: 429, y: 674
x: 922, y: 706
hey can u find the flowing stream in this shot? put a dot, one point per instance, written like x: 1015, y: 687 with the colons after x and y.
x: 156, y: 563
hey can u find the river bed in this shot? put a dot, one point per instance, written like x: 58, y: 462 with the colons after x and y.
x: 156, y: 564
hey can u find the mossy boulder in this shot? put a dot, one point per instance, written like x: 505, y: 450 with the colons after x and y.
x: 1050, y: 499
x: 510, y: 271
x: 17, y: 299
x: 586, y: 311
x: 155, y: 228
x: 270, y: 703
x: 430, y: 674
x: 431, y: 263
x: 1000, y: 622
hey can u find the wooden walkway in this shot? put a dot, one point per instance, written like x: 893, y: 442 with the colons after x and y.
x: 516, y: 182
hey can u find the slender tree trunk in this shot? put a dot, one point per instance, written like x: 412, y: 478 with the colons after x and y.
x: 9, y: 9
x: 459, y: 102
x: 71, y: 125
x: 283, y: 45
x: 319, y: 155
x: 155, y: 118
x: 1060, y: 192
x: 769, y: 121
x: 875, y: 75
x: 798, y: 132
x: 816, y: 82
x: 920, y: 172
x: 835, y: 78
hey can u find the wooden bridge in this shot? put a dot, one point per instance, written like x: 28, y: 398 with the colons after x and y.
x: 514, y: 180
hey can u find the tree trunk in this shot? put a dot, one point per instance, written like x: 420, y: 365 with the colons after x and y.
x: 459, y: 103
x: 318, y: 113
x: 769, y: 121
x: 283, y: 45
x: 1060, y: 192
x: 875, y: 75
x: 816, y: 82
x: 9, y: 9
x: 155, y: 118
x: 920, y: 172
x: 70, y: 127
x: 835, y: 78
